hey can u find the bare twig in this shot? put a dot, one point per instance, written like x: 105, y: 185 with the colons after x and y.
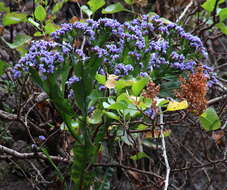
x: 129, y: 168
x: 34, y: 155
x: 214, y: 100
x: 185, y: 10
x: 7, y: 116
x: 164, y: 151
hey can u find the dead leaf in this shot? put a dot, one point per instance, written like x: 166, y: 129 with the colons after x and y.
x: 74, y: 19
x: 111, y: 81
x: 217, y: 136
x: 1, y: 30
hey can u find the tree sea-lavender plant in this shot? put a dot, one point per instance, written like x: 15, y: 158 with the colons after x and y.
x: 101, y: 67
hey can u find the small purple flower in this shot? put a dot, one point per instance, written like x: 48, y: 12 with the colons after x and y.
x: 80, y: 53
x: 73, y: 80
x: 143, y: 74
x: 102, y: 87
x: 91, y: 109
x: 122, y: 69
x: 150, y: 113
x: 71, y: 94
x: 100, y: 51
x: 42, y: 138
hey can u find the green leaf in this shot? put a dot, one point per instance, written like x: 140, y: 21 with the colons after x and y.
x: 209, y: 120
x: 120, y: 105
x: 57, y: 7
x: 96, y: 4
x: 50, y: 27
x: 139, y: 156
x: 3, y: 66
x: 141, y: 127
x: 111, y: 115
x: 222, y: 27
x: 96, y: 117
x: 124, y: 97
x: 223, y: 14
x: 138, y: 86
x: 84, y: 155
x: 20, y: 40
x: 113, y: 8
x: 130, y: 2
x: 100, y: 78
x: 208, y: 5
x: 40, y: 13
x: 86, y: 10
x: 162, y: 102
x: 38, y: 34
x: 3, y: 8
x: 120, y: 84
x: 13, y: 18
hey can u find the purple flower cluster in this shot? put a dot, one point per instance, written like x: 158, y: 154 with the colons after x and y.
x: 145, y: 43
x: 122, y: 70
x: 144, y: 36
x: 211, y: 75
x: 41, y: 58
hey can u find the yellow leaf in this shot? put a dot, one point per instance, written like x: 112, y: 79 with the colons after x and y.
x: 173, y: 106
x: 111, y: 81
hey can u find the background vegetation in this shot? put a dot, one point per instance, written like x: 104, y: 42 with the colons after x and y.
x: 50, y: 141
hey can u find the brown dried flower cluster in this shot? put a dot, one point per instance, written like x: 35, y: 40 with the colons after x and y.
x: 151, y: 92
x: 194, y: 90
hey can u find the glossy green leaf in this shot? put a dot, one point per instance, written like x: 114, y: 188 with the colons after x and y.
x: 13, y: 18
x: 162, y: 102
x: 111, y: 115
x: 141, y: 127
x: 57, y: 7
x: 124, y: 97
x: 139, y: 156
x: 209, y: 120
x: 40, y: 13
x: 50, y: 27
x: 130, y: 2
x: 222, y: 27
x: 223, y: 14
x: 100, y: 78
x: 209, y: 5
x: 120, y: 84
x: 113, y: 8
x: 138, y: 86
x: 19, y: 40
x: 96, y: 4
x: 38, y: 34
x: 120, y: 105
x: 86, y: 10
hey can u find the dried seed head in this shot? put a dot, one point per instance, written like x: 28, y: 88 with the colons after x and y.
x: 194, y: 90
